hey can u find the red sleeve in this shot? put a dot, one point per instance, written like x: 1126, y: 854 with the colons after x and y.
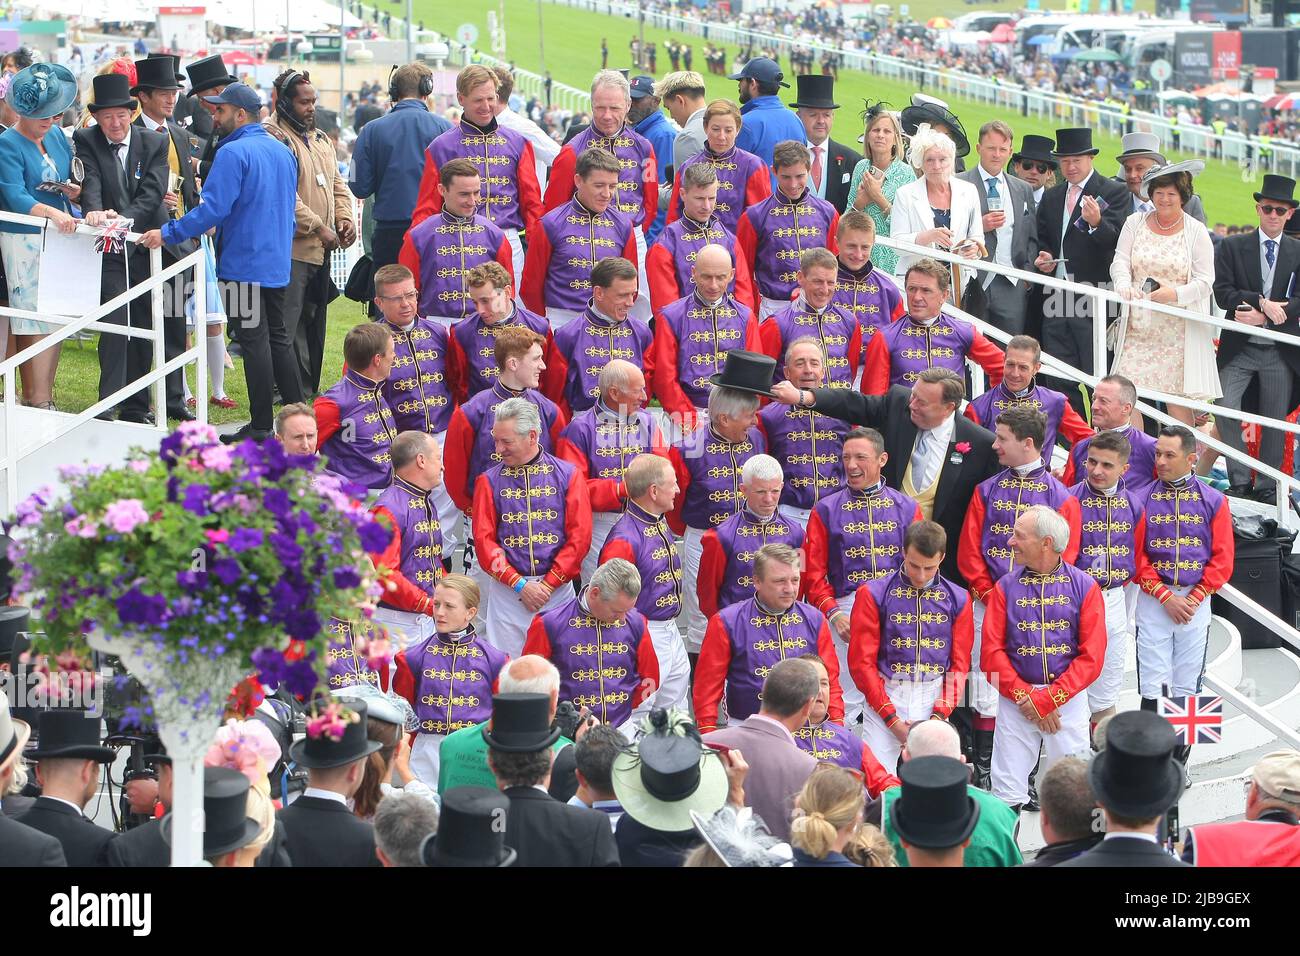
x: 970, y: 558
x: 1072, y: 426
x: 989, y: 357
x: 605, y: 494
x: 1073, y: 515
x: 647, y: 666
x: 661, y: 277
x: 552, y: 379
x: 874, y: 775
x: 457, y: 369
x: 963, y: 641
x: 629, y: 247
x: 970, y: 413
x: 826, y: 651
x: 1085, y: 667
x: 816, y: 582
x: 855, y: 350
x: 876, y: 367
x: 675, y: 200
x: 404, y: 680
x: 327, y: 418
x: 993, y: 653
x: 744, y: 281
x: 713, y: 565
x: 1068, y: 477
x: 746, y: 246
x: 577, y: 537
x: 559, y: 185
x: 399, y: 591
x: 711, y: 674
x: 537, y: 262
x: 1222, y: 553
x: 648, y: 357
x: 428, y: 202
x: 753, y: 338
x: 410, y: 258
x: 538, y: 642
x: 864, y: 651
x: 488, y: 551
x: 530, y: 190
x: 455, y: 455
x: 759, y: 186
x: 650, y: 183
x: 668, y: 389
x: 832, y: 242
x: 898, y: 310
x: 675, y: 520
x: 506, y: 256
x: 559, y: 425
x: 769, y: 334
x: 616, y: 548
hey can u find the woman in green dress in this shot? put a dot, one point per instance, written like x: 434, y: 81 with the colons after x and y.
x: 877, y: 177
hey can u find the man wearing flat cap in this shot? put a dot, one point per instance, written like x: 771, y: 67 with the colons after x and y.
x: 1270, y: 834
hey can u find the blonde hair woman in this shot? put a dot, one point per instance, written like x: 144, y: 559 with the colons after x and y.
x: 938, y: 209
x: 877, y: 178
x: 870, y: 847
x: 249, y: 747
x: 828, y: 813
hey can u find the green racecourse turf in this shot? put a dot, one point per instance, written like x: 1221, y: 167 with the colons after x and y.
x: 572, y: 48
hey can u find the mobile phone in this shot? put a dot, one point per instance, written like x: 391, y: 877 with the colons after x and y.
x: 1150, y: 285
x: 1244, y: 307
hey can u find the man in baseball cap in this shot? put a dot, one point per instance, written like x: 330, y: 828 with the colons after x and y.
x: 766, y: 120
x: 1270, y: 834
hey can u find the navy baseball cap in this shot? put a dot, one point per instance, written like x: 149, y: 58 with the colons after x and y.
x: 642, y: 86
x: 241, y: 95
x: 761, y: 68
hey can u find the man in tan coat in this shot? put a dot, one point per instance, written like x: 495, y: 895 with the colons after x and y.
x: 324, y: 221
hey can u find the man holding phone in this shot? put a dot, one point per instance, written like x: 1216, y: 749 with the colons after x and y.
x: 1255, y: 282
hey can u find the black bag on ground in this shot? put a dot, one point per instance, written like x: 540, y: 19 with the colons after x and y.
x: 1257, y: 572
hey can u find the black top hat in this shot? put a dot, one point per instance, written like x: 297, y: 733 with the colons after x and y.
x: 208, y: 72
x: 470, y: 830
x: 521, y: 723
x: 815, y: 92
x: 226, y: 823
x: 747, y: 372
x: 14, y: 622
x: 1074, y: 142
x: 934, y: 811
x: 176, y: 63
x: 156, y: 73
x: 1136, y: 773
x: 323, y: 752
x: 1037, y: 149
x: 71, y: 734
x: 112, y: 91
x: 1279, y: 189
x: 926, y: 109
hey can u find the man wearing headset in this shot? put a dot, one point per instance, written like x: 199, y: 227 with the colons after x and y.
x: 388, y: 160
x: 322, y: 219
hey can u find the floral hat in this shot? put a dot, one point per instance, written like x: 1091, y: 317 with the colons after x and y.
x: 42, y: 90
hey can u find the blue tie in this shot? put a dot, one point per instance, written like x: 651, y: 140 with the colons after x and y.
x: 1270, y: 252
x: 993, y: 187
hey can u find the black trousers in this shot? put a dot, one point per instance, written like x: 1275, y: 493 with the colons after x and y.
x: 305, y: 320
x: 256, y: 316
x: 385, y: 245
x: 174, y: 298
x: 122, y: 359
x: 1067, y: 335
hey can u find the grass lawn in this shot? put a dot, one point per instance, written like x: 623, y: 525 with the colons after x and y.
x: 76, y: 386
x: 572, y: 47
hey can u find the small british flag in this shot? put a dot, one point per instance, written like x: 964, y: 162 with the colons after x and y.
x: 1196, y: 719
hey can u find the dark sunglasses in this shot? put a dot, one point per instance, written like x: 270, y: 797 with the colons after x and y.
x: 1274, y: 210
x: 1040, y: 167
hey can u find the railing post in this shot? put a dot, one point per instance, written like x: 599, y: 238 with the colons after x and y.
x: 159, y: 345
x: 11, y: 454
x: 1098, y: 335
x: 201, y: 338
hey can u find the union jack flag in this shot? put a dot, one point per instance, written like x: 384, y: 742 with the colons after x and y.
x: 1196, y: 719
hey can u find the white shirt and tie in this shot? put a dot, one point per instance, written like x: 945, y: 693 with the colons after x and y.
x: 817, y: 172
x: 1267, y: 261
x: 1073, y: 196
x: 996, y: 188
x: 929, y: 451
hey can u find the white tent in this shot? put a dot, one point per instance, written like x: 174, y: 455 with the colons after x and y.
x: 312, y: 16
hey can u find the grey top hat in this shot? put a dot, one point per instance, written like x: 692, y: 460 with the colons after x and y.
x: 1141, y: 146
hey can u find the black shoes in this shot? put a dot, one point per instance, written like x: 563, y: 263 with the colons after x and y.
x: 136, y: 417
x: 180, y: 413
x: 234, y: 438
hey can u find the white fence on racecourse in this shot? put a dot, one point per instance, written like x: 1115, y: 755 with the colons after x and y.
x: 92, y: 322
x: 1058, y: 108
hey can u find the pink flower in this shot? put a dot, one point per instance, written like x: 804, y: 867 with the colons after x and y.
x: 332, y: 722
x: 126, y: 515
x: 963, y: 446
x: 82, y: 527
x: 139, y: 466
x: 217, y: 457
x: 219, y: 536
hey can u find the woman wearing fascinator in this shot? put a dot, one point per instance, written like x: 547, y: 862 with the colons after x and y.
x: 877, y: 178
x: 250, y: 748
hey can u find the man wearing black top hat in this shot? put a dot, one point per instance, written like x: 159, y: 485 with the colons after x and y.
x: 209, y: 77
x: 1136, y: 778
x: 933, y: 814
x: 20, y: 845
x: 1255, y: 283
x: 157, y: 87
x: 469, y: 832
x: 542, y: 830
x: 68, y: 759
x: 126, y: 174
x: 1079, y: 221
x: 832, y: 163
x: 320, y: 828
x: 928, y: 109
x: 227, y: 827
x: 1035, y: 163
x: 145, y: 845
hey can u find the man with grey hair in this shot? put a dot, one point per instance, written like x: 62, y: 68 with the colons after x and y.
x: 603, y: 440
x: 682, y: 93
x: 402, y: 821
x: 637, y: 197
x: 532, y: 526
x: 727, y: 552
x: 708, y: 462
x: 778, y: 768
x: 1044, y: 642
x: 642, y: 537
x: 745, y: 640
x: 601, y: 646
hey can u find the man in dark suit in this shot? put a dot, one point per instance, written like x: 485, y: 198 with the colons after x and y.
x: 20, y: 845
x: 1136, y: 779
x: 1255, y: 283
x: 126, y: 176
x: 1079, y: 220
x: 208, y: 76
x: 935, y: 455
x: 68, y: 758
x: 144, y: 845
x: 319, y: 827
x: 1010, y: 226
x: 542, y: 830
x: 832, y: 163
x: 156, y: 88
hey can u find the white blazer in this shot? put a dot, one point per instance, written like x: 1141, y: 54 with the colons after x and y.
x: 912, y: 214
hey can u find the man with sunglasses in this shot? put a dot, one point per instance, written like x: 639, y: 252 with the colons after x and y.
x: 1255, y: 282
x: 1035, y: 164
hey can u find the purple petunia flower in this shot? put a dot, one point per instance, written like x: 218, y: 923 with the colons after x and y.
x: 277, y: 502
x: 192, y: 580
x: 347, y: 578
x: 196, y: 499
x: 286, y: 549
x: 242, y: 539
x: 374, y: 536
x: 227, y: 570
x: 135, y: 607
x: 304, y: 625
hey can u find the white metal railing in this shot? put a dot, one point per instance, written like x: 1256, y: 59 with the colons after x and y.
x: 155, y: 378
x: 1059, y: 108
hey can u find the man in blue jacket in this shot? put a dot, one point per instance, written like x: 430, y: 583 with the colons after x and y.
x: 648, y: 119
x: 249, y: 198
x: 766, y: 121
x: 388, y: 161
